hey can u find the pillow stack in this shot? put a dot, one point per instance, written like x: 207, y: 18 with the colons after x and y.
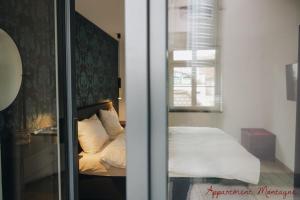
x: 99, y: 152
x: 93, y: 133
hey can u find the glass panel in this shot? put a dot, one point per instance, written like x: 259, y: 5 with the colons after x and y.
x: 234, y: 137
x: 193, y: 40
x: 182, y: 80
x: 206, y: 76
x: 182, y: 55
x: 206, y: 54
x: 29, y: 126
x: 205, y: 96
x: 99, y: 46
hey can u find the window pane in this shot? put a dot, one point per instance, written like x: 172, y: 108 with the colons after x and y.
x: 205, y: 76
x: 182, y: 55
x: 192, y: 40
x: 182, y: 96
x: 182, y: 76
x: 206, y: 54
x: 207, y: 28
x: 182, y: 86
x: 206, y: 96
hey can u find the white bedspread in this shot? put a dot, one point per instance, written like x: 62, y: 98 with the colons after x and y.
x: 210, y: 152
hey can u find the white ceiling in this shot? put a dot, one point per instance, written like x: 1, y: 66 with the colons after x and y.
x: 106, y: 14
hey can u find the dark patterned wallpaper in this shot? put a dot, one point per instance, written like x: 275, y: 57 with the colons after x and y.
x: 96, y: 58
x: 31, y: 25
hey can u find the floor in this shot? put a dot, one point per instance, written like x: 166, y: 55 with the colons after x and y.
x: 276, y: 182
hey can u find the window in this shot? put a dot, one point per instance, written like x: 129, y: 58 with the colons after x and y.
x: 194, y: 73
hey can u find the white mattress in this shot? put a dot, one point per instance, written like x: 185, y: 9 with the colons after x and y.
x: 210, y: 152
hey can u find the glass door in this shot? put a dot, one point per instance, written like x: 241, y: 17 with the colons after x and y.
x: 32, y: 113
x: 232, y: 76
x: 224, y: 72
x: 230, y: 83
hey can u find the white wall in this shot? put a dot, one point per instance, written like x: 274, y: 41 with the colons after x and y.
x: 281, y: 44
x: 257, y: 38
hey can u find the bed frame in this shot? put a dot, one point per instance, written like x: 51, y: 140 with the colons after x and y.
x: 99, y: 187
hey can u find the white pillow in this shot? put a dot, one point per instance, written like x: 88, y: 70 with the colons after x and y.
x: 114, y: 154
x: 111, y: 123
x: 91, y: 135
x: 90, y: 164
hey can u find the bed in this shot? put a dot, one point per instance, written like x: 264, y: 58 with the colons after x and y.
x: 110, y: 185
x: 194, y: 153
x: 210, y: 152
x: 207, y: 155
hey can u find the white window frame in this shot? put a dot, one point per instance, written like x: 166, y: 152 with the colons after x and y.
x: 218, y: 79
x: 194, y: 108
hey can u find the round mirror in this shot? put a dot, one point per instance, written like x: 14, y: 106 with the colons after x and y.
x: 10, y: 70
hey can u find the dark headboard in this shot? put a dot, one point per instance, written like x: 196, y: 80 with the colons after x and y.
x: 86, y: 112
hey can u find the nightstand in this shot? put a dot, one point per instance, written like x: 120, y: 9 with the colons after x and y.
x: 259, y: 142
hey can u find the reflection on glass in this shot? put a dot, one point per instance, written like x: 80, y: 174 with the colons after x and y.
x: 206, y: 54
x: 193, y: 44
x: 242, y: 147
x: 205, y: 86
x: 182, y: 86
x: 205, y: 96
x: 181, y: 55
x: 28, y: 127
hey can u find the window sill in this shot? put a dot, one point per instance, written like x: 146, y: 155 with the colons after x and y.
x: 175, y: 110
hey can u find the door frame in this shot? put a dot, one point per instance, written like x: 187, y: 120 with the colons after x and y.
x: 146, y: 94
x: 67, y: 105
x: 158, y: 72
x: 137, y: 99
x: 297, y: 138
